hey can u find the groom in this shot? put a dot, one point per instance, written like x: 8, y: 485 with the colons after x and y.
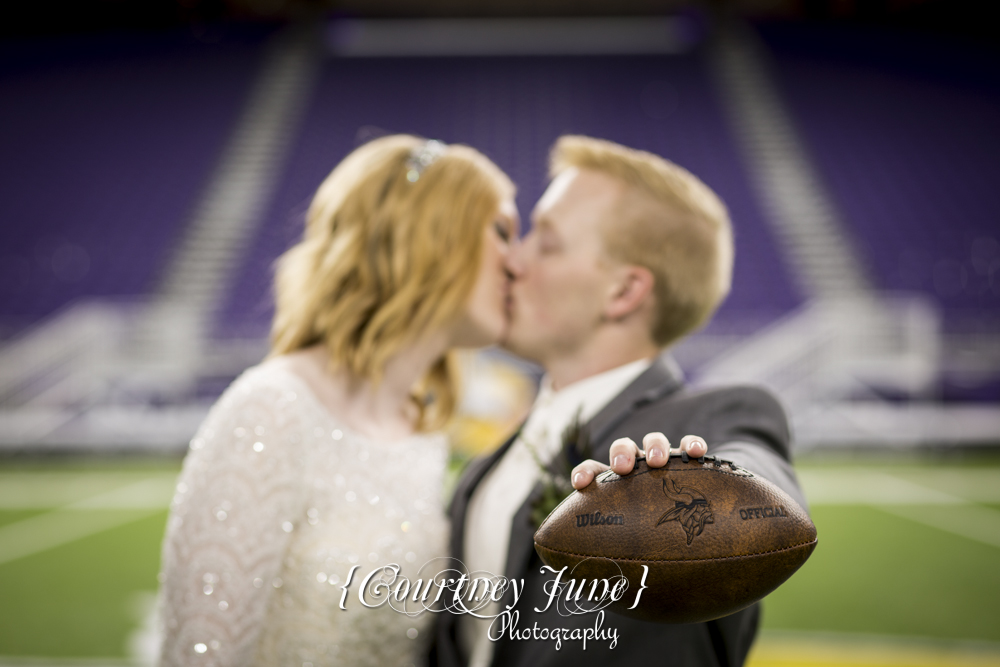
x: 628, y: 253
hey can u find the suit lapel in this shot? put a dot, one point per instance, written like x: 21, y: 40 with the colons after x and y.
x: 445, y: 651
x: 522, y: 536
x: 463, y: 494
x: 661, y: 378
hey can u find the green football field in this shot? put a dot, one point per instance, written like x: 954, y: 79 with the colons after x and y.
x: 908, y: 555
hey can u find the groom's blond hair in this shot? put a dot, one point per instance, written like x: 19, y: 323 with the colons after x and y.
x: 391, y: 251
x: 667, y: 221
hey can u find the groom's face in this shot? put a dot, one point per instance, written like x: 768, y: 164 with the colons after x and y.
x: 561, y: 273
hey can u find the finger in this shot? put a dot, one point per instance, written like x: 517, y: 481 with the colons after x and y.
x: 585, y: 473
x: 694, y: 446
x: 623, y: 454
x: 657, y: 449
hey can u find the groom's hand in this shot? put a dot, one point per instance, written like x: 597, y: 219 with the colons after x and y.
x: 624, y: 452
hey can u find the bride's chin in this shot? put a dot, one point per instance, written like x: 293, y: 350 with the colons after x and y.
x: 481, y: 334
x: 496, y: 336
x: 501, y: 339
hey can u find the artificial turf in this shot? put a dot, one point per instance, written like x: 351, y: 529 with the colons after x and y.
x: 873, y: 572
x: 877, y: 573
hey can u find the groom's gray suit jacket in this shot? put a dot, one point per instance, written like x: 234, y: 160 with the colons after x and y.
x: 744, y: 424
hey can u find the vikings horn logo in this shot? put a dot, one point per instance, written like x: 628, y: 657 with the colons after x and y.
x: 691, y: 509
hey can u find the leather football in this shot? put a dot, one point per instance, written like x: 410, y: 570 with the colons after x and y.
x: 704, y: 536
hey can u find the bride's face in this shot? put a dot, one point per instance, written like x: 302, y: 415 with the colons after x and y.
x: 485, y: 319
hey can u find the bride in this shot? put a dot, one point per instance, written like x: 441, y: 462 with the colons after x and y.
x: 325, y: 456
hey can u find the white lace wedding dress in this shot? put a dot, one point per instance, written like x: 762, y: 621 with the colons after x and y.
x: 276, y: 502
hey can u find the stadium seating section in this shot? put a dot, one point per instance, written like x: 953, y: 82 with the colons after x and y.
x: 513, y: 109
x: 905, y: 133
x: 105, y: 144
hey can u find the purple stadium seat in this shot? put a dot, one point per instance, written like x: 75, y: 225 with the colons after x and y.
x: 513, y: 109
x: 904, y: 129
x: 105, y: 144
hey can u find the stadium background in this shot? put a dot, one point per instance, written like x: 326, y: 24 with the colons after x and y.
x: 156, y: 157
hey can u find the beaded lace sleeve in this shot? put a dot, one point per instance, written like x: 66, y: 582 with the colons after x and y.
x: 230, y: 524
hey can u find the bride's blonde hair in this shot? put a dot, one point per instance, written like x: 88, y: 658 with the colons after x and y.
x: 391, y: 251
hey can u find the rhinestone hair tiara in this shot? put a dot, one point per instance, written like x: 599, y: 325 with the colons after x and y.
x: 423, y: 157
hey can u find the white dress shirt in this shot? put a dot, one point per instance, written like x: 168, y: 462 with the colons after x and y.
x: 504, y: 489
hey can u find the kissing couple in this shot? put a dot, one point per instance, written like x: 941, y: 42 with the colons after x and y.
x: 328, y: 458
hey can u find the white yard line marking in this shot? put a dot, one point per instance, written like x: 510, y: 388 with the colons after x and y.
x: 30, y: 661
x: 974, y: 522
x: 846, y: 486
x: 51, y: 490
x: 918, y: 502
x: 84, y: 518
x: 59, y: 527
x: 153, y: 493
x: 980, y: 485
x: 784, y: 648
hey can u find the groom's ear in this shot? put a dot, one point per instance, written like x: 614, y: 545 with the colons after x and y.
x: 630, y: 291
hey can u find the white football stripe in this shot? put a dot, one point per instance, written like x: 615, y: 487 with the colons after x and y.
x: 901, y: 486
x: 55, y: 489
x: 917, y: 502
x: 118, y: 503
x: 974, y: 522
x: 53, y: 529
x: 796, y: 648
x: 153, y: 493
